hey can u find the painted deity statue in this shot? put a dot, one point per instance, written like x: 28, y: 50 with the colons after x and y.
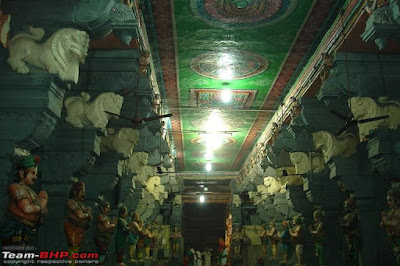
x: 121, y: 234
x: 176, y: 240
x: 273, y: 236
x: 297, y: 238
x: 25, y: 209
x: 318, y: 233
x: 390, y: 220
x: 349, y: 226
x: 135, y: 228
x: 264, y: 239
x: 284, y: 238
x: 237, y: 240
x: 78, y: 218
x: 104, y: 231
x: 148, y: 238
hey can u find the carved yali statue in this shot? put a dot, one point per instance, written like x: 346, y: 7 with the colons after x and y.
x: 366, y: 107
x: 273, y: 185
x: 236, y: 200
x: 153, y: 185
x: 81, y: 113
x: 304, y: 163
x: 137, y: 164
x: 60, y: 54
x: 123, y: 141
x: 331, y: 145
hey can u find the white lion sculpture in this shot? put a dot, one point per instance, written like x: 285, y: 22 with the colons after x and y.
x: 153, y: 185
x: 137, y: 164
x: 152, y: 182
x: 273, y: 185
x: 124, y: 141
x: 333, y: 146
x: 60, y: 54
x: 263, y: 193
x: 366, y: 107
x: 81, y: 113
x: 305, y: 164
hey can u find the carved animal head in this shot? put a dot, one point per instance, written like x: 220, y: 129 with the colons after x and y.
x: 297, y: 157
x: 69, y: 48
x: 110, y: 102
x: 363, y: 107
x: 322, y: 140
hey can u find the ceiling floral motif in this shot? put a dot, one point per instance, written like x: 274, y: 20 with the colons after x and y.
x: 229, y: 64
x: 241, y: 14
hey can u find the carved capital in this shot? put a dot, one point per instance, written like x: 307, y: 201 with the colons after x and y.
x: 383, y: 24
x: 384, y: 152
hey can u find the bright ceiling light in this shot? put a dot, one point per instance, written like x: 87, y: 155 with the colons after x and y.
x: 226, y: 96
x: 209, y: 155
x: 208, y: 167
x: 202, y: 198
x: 205, y: 188
x: 225, y: 74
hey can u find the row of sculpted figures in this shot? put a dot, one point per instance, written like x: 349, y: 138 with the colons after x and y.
x: 339, y: 148
x: 26, y: 211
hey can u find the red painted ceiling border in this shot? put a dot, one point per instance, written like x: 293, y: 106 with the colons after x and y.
x: 164, y: 30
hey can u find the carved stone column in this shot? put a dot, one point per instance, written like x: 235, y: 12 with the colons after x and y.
x: 30, y: 107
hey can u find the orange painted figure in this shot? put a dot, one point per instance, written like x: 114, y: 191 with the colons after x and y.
x: 104, y: 231
x: 78, y: 217
x: 25, y: 210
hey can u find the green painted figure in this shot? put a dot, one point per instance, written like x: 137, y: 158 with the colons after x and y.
x: 121, y: 234
x: 318, y: 233
x: 390, y: 220
x: 349, y: 226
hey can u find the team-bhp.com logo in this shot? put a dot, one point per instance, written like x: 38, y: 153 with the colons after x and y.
x: 49, y: 257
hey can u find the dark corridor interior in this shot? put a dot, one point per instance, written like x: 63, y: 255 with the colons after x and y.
x: 203, y: 224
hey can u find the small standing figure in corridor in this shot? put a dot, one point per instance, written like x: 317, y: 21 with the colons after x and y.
x: 296, y: 234
x: 104, y: 231
x: 318, y: 233
x: 390, y: 220
x: 176, y: 241
x: 78, y: 218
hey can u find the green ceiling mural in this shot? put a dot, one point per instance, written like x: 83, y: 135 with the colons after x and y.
x: 237, y: 48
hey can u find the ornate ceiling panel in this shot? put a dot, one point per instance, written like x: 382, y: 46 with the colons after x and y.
x: 224, y: 65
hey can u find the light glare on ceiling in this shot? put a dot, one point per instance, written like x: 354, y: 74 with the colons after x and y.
x: 226, y: 96
x: 208, y: 167
x: 202, y: 198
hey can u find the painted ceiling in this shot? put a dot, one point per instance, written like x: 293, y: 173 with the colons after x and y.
x: 223, y: 65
